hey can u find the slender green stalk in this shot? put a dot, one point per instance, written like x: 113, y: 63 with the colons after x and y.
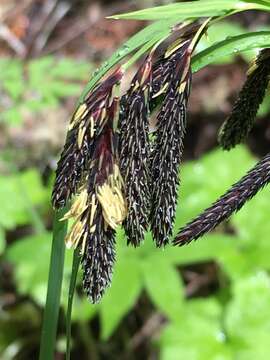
x: 72, y: 286
x: 51, y: 312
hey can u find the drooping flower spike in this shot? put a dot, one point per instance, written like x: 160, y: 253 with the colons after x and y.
x: 226, y: 205
x: 238, y: 125
x: 99, y: 205
x: 171, y: 77
x: 85, y: 126
x: 134, y: 152
x: 167, y: 153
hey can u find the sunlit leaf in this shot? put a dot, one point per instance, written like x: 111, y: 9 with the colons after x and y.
x: 248, y: 318
x: 30, y: 257
x: 198, y: 336
x: 189, y: 9
x: 235, y: 44
x: 121, y: 297
x: 19, y: 192
x: 164, y: 286
x: 201, y: 180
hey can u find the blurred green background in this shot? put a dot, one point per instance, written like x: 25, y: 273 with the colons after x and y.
x: 207, y: 301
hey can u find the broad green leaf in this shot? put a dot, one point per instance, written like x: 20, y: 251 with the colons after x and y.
x: 256, y: 227
x: 253, y: 229
x: 19, y: 193
x: 121, y: 297
x: 201, y: 180
x: 248, y: 318
x: 198, y: 336
x: 31, y: 256
x: 164, y: 287
x: 210, y: 247
x: 234, y: 44
x: 189, y: 9
x: 235, y: 262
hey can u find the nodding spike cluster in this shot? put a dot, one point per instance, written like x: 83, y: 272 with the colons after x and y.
x: 113, y: 174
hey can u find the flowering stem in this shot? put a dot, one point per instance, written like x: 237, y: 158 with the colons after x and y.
x: 72, y: 286
x: 51, y: 312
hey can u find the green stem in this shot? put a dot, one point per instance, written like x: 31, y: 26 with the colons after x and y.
x: 71, y: 291
x: 51, y: 312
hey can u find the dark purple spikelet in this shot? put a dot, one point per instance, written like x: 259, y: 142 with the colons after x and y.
x: 106, y: 210
x: 171, y: 124
x: 98, y: 257
x: 98, y: 206
x: 238, y: 125
x: 134, y: 153
x: 85, y: 126
x: 230, y: 202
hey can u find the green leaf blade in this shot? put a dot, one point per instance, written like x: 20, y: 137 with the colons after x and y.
x: 164, y: 286
x: 189, y: 9
x: 121, y: 297
x: 234, y: 44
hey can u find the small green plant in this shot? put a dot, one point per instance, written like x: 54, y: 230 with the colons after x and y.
x: 20, y: 85
x: 110, y: 174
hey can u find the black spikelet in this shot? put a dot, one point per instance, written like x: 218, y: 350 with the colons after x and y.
x: 238, y: 125
x: 134, y: 153
x: 98, y: 259
x: 85, y: 126
x: 169, y: 145
x: 163, y: 69
x: 230, y: 202
x: 70, y: 169
x: 99, y: 205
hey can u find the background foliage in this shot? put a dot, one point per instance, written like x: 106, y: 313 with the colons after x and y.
x: 209, y: 300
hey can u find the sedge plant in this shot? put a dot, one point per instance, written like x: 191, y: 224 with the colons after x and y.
x: 113, y: 173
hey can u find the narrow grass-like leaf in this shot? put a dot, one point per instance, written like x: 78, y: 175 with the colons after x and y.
x: 51, y: 312
x: 234, y: 44
x: 158, y: 30
x: 192, y: 9
x: 71, y: 291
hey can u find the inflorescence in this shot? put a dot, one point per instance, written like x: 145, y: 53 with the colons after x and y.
x: 114, y: 173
